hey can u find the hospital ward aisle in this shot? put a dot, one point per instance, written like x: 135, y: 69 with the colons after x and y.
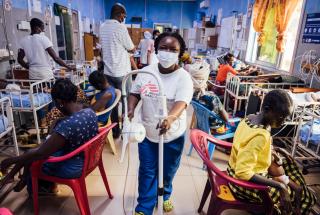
x: 188, y: 187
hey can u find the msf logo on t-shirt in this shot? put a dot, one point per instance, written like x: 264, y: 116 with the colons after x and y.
x: 150, y: 90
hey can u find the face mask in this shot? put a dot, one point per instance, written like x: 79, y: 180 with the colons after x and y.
x: 124, y: 21
x: 42, y: 33
x: 167, y: 59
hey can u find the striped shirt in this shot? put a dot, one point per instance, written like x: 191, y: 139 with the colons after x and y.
x: 116, y: 43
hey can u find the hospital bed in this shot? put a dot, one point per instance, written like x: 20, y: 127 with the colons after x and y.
x: 32, y: 96
x: 77, y: 77
x: 301, y: 103
x: 306, y: 144
x: 238, y: 88
x: 7, y: 128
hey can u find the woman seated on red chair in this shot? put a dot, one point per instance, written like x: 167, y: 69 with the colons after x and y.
x: 251, y: 158
x: 77, y: 127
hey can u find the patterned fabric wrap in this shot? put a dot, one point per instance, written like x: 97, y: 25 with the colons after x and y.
x: 53, y: 115
x: 291, y: 169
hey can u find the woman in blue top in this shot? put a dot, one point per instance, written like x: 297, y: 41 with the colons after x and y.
x: 77, y: 127
x: 105, y: 98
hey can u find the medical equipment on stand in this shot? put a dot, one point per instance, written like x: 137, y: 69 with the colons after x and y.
x: 128, y: 129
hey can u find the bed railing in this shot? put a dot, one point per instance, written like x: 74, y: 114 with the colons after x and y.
x: 298, y: 108
x: 307, y: 148
x: 6, y: 113
x: 238, y: 87
x: 33, y: 96
x: 34, y: 89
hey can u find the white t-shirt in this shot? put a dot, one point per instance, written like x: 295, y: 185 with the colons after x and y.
x: 34, y: 47
x: 146, y: 45
x: 115, y: 42
x: 177, y: 86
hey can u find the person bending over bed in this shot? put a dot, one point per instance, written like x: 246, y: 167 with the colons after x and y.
x: 251, y: 158
x: 105, y: 98
x: 36, y: 48
x: 77, y: 127
x: 226, y: 68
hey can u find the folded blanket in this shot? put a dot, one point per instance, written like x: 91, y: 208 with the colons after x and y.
x: 38, y: 99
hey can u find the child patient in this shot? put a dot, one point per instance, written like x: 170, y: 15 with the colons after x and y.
x: 105, y: 98
x: 277, y: 173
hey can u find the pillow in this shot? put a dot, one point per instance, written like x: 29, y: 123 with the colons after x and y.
x: 14, y: 89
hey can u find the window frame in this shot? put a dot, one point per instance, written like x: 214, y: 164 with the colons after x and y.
x: 252, y: 47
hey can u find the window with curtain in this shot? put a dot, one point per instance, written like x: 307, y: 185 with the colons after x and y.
x: 267, y: 54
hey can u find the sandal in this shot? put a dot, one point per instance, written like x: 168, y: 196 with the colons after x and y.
x: 167, y: 206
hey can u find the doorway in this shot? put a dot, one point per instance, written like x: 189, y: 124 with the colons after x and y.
x: 67, y: 29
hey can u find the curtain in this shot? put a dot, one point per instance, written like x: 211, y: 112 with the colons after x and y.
x: 283, y: 12
x: 260, y: 9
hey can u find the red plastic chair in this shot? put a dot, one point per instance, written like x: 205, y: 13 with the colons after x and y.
x: 221, y: 195
x: 93, y: 157
x: 5, y: 211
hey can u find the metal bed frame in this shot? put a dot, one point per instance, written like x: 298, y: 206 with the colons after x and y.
x: 6, y: 110
x: 31, y: 88
x: 310, y: 157
x: 233, y: 84
x: 312, y: 107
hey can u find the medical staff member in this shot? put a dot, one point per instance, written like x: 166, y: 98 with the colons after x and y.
x: 146, y: 47
x: 36, y: 47
x: 178, y: 88
x: 116, y: 46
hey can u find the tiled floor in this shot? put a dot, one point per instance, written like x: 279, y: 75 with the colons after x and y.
x: 188, y: 187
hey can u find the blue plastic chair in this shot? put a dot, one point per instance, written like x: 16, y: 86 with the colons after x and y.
x: 89, y: 90
x: 202, y: 115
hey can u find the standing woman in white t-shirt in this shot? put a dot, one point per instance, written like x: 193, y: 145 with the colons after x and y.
x: 178, y: 88
x: 36, y: 47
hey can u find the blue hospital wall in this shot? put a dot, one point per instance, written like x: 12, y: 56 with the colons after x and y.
x: 158, y: 12
x: 312, y: 6
x: 228, y: 6
x: 94, y: 9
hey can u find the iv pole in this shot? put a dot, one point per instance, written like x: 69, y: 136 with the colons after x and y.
x: 162, y: 114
